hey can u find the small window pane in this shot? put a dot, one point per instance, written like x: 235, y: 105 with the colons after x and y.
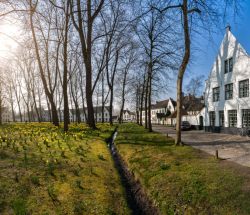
x: 212, y: 118
x: 230, y: 64
x: 244, y: 88
x: 216, y: 94
x: 228, y: 91
x: 226, y: 66
x: 221, y: 118
x: 246, y: 117
x: 232, y: 118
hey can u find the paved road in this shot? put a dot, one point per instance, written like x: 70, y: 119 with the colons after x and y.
x: 231, y: 147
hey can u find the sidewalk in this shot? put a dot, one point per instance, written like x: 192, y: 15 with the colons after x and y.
x: 231, y: 147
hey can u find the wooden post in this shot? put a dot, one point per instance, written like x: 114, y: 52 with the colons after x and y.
x: 216, y: 154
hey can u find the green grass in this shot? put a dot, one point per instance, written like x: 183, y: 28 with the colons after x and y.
x: 183, y: 180
x: 46, y: 171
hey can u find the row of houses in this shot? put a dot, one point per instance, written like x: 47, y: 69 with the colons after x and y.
x: 225, y: 105
x: 164, y: 112
x: 74, y: 115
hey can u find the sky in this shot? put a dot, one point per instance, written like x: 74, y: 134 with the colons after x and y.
x: 204, y: 51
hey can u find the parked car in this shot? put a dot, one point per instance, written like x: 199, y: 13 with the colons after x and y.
x: 185, y: 125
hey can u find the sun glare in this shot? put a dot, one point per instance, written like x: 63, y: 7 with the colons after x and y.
x: 8, y: 39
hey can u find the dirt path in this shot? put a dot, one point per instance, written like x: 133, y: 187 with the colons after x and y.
x: 230, y: 147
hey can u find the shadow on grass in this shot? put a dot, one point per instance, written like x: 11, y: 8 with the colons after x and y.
x: 145, y: 143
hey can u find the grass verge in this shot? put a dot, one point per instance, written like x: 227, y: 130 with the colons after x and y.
x: 46, y: 171
x: 183, y: 180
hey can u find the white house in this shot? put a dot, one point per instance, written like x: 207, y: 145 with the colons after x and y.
x: 97, y: 114
x: 128, y: 116
x: 45, y: 115
x: 6, y: 115
x: 160, y: 111
x: 192, y: 111
x: 227, y: 102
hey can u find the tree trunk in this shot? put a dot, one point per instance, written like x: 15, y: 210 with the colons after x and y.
x: 65, y: 71
x: 142, y: 98
x: 149, y: 97
x: 137, y: 105
x: 103, y: 101
x: 49, y: 95
x: 90, y: 107
x: 181, y: 72
x: 1, y: 110
x: 111, y: 106
x: 49, y: 109
x: 123, y: 95
x: 146, y: 104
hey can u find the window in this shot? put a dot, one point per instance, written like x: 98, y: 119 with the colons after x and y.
x: 228, y: 91
x: 246, y: 117
x: 216, y: 94
x: 244, y: 88
x: 232, y: 118
x: 212, y: 118
x: 228, y: 65
x: 221, y: 118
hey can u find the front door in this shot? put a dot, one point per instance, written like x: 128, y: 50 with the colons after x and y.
x: 201, y: 122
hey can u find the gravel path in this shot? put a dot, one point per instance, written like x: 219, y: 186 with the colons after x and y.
x: 231, y: 147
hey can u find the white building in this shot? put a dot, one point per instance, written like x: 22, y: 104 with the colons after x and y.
x: 6, y: 115
x: 193, y: 111
x: 128, y: 116
x: 227, y: 102
x: 160, y: 111
x: 97, y: 114
x: 45, y: 115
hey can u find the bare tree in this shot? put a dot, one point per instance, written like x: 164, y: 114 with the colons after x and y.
x: 49, y: 89
x: 128, y: 59
x: 195, y: 85
x: 84, y: 26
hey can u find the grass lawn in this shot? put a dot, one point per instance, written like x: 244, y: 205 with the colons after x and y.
x: 183, y: 180
x: 45, y: 171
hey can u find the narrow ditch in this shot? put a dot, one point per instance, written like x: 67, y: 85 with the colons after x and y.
x: 137, y: 199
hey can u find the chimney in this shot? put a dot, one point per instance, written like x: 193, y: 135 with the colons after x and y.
x: 182, y: 94
x: 228, y: 28
x: 189, y: 97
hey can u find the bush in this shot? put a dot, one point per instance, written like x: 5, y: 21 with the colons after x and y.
x: 79, y: 208
x: 35, y: 180
x: 19, y: 207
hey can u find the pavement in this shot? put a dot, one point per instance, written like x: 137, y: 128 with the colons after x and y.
x: 230, y: 147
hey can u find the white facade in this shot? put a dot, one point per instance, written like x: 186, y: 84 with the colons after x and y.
x: 161, y: 108
x: 6, y: 115
x: 227, y: 87
x: 97, y: 114
x: 45, y: 115
x: 128, y: 116
x: 196, y: 118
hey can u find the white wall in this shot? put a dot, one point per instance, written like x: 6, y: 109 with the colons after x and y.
x: 195, y: 119
x: 241, y: 71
